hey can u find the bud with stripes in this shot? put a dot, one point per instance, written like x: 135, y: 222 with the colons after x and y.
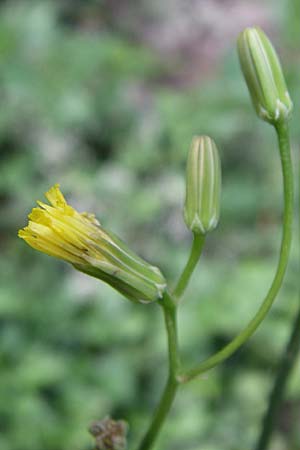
x: 264, y: 77
x: 203, y: 186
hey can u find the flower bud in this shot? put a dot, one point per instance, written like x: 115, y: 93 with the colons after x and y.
x: 263, y: 75
x: 78, y: 238
x: 203, y: 186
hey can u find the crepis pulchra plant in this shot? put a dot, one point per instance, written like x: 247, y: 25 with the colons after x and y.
x: 78, y: 238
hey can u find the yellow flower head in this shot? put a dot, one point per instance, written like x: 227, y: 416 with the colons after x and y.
x: 78, y: 238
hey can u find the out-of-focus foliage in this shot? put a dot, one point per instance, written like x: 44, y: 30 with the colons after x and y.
x: 88, y: 102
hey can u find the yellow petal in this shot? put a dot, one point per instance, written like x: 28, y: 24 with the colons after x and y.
x: 55, y: 197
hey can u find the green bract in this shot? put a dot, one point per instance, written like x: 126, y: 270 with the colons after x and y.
x: 203, y: 186
x: 264, y: 77
x: 125, y: 271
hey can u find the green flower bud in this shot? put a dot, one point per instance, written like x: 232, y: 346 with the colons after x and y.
x: 203, y: 186
x: 263, y: 75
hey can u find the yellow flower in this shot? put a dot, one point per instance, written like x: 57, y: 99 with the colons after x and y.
x: 78, y: 238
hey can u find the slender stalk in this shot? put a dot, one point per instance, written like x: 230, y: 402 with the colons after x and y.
x: 169, y: 305
x: 195, y: 254
x: 160, y: 414
x: 285, y: 366
x: 226, y: 352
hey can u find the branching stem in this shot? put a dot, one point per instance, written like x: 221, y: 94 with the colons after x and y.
x: 240, y: 339
x: 169, y: 310
x: 169, y: 303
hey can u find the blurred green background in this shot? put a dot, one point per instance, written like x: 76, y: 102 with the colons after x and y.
x: 104, y: 98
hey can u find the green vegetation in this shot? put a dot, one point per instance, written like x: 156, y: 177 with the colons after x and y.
x: 94, y: 111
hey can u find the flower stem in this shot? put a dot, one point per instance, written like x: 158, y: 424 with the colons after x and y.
x: 169, y: 310
x: 286, y: 364
x: 240, y: 339
x: 169, y: 305
x: 160, y: 414
x: 195, y: 254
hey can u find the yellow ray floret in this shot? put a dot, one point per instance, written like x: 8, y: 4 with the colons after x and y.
x: 59, y: 230
x: 78, y: 238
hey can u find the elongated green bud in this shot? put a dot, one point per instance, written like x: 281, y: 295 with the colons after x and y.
x: 203, y: 186
x: 263, y: 75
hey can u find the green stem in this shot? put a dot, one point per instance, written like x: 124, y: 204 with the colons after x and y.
x: 164, y: 406
x: 195, y: 254
x: 160, y: 414
x: 169, y: 305
x: 240, y: 339
x: 286, y: 364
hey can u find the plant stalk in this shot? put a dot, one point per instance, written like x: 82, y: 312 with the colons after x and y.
x: 169, y: 306
x: 196, y: 250
x: 164, y: 406
x: 285, y: 367
x: 240, y: 339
